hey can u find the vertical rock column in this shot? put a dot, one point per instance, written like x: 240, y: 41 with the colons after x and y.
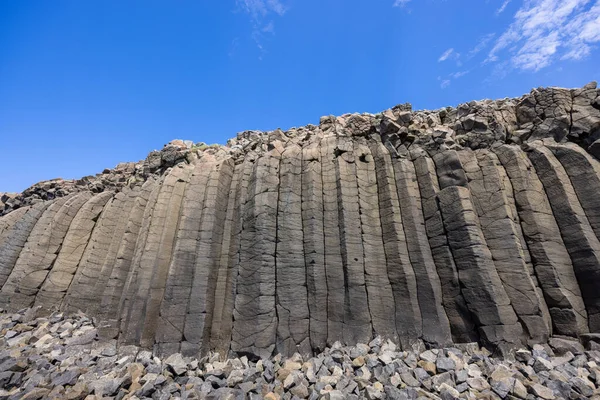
x: 225, y: 290
x: 129, y: 289
x: 80, y: 292
x: 334, y: 269
x: 435, y: 324
x: 127, y: 200
x: 174, y: 306
x: 584, y: 173
x: 150, y: 270
x: 292, y: 296
x: 507, y: 189
x: 357, y: 325
x: 40, y: 252
x: 461, y: 324
x: 255, y: 314
x: 503, y: 242
x: 174, y: 189
x: 481, y: 286
x: 314, y: 247
x: 208, y: 252
x: 379, y: 289
x: 579, y: 238
x: 60, y: 277
x: 245, y: 172
x: 15, y: 238
x: 109, y: 309
x: 551, y: 261
x: 7, y: 222
x: 400, y: 273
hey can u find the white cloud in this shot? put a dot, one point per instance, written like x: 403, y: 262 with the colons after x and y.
x: 269, y: 28
x: 586, y: 29
x: 502, y: 7
x: 401, y: 3
x: 458, y: 74
x: 544, y: 31
x: 500, y: 70
x: 445, y: 55
x: 483, y: 42
x: 260, y: 8
x: 261, y: 13
x: 276, y: 6
x: 451, y: 54
x: 445, y: 82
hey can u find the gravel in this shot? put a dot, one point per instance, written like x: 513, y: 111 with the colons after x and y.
x: 60, y: 356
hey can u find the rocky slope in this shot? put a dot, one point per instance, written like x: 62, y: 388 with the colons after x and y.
x: 476, y: 223
x: 60, y: 357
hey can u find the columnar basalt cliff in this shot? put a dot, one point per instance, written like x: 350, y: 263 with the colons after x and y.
x: 475, y: 223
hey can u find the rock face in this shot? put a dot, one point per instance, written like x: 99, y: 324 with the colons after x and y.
x: 476, y: 223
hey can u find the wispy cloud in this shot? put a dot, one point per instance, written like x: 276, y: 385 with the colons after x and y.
x: 500, y: 71
x: 401, y: 3
x: 459, y: 74
x: 269, y: 28
x: 586, y: 29
x: 261, y: 13
x: 276, y: 6
x: 446, y: 55
x: 445, y: 82
x: 483, y: 42
x: 260, y: 8
x: 233, y: 47
x: 544, y: 31
x: 502, y: 7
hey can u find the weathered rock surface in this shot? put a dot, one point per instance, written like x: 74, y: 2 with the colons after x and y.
x: 475, y: 223
x: 61, y: 356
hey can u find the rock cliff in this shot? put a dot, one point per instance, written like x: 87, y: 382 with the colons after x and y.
x: 476, y: 223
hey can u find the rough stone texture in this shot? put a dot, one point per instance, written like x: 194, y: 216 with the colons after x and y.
x: 292, y: 296
x: 500, y: 232
x: 313, y: 243
x: 461, y: 324
x: 483, y: 290
x: 399, y: 269
x: 552, y: 263
x: 39, y: 254
x: 67, y: 262
x: 60, y: 356
x: 149, y: 272
x: 15, y: 235
x: 255, y: 311
x: 428, y: 228
x: 434, y: 322
x: 580, y: 240
x: 92, y: 266
x: 174, y: 307
x: 112, y: 293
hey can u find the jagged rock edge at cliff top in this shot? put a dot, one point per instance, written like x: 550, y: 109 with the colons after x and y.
x: 476, y: 124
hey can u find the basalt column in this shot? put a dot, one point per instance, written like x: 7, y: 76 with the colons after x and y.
x: 428, y: 228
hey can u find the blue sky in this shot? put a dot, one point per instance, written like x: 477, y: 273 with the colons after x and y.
x: 87, y: 84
